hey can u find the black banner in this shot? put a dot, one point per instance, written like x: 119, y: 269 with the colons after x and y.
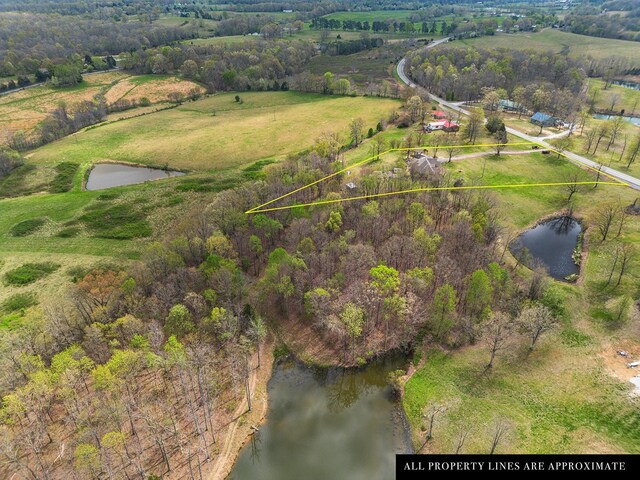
x: 424, y: 466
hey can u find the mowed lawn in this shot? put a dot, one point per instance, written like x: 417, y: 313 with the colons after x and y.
x: 219, y: 133
x: 565, y: 42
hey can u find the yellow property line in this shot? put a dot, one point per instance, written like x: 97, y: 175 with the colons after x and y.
x: 260, y: 208
x: 429, y: 189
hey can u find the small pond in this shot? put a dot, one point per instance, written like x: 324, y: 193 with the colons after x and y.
x: 551, y: 243
x: 627, y: 84
x: 327, y: 423
x: 600, y: 116
x: 107, y: 175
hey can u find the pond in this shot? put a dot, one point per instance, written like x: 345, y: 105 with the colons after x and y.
x: 634, y: 120
x: 627, y: 84
x: 552, y: 244
x: 327, y: 423
x: 107, y: 175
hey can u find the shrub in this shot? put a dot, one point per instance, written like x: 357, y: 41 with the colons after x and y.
x: 27, y: 227
x: 29, y: 273
x: 63, y: 181
x: 68, y: 232
x: 19, y: 301
x: 120, y: 222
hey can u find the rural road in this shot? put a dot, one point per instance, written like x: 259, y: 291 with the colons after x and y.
x: 575, y: 158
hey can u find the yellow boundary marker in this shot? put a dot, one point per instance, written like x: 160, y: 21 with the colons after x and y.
x: 261, y: 209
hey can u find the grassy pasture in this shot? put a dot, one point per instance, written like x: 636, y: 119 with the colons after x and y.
x: 628, y: 98
x: 218, y: 133
x: 565, y: 42
x: 23, y: 110
x: 371, y: 15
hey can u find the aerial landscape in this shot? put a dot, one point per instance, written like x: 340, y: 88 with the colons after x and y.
x: 251, y: 239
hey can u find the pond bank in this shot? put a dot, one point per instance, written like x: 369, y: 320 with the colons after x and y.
x: 107, y: 174
x: 236, y: 434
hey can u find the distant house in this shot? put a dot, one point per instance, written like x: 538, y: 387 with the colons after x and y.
x: 430, y: 127
x: 439, y: 114
x: 449, y: 126
x: 509, y: 106
x: 445, y: 126
x: 543, y: 120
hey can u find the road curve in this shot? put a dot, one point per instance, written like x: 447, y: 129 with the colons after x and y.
x: 631, y: 181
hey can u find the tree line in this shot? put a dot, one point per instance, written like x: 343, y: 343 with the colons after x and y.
x: 54, y: 38
x: 593, y: 22
x: 461, y: 73
x: 250, y: 65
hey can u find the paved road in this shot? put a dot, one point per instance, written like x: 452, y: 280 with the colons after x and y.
x: 575, y: 158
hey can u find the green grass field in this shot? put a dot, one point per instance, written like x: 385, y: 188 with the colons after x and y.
x: 557, y: 41
x: 628, y: 99
x: 371, y: 15
x: 217, y: 132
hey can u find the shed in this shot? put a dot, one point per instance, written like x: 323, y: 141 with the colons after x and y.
x: 438, y: 114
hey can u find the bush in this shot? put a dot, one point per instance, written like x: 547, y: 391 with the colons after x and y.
x: 68, y: 232
x: 27, y: 227
x: 29, y: 273
x: 63, y: 181
x: 19, y: 301
x: 120, y: 222
x: 494, y: 124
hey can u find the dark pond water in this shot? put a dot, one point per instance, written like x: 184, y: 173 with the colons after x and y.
x: 327, y: 424
x: 627, y: 84
x: 600, y: 116
x: 107, y: 175
x: 551, y: 243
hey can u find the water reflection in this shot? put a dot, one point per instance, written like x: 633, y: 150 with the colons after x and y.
x: 551, y: 244
x: 327, y: 423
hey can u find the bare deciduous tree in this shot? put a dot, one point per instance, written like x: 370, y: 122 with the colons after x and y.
x: 535, y: 320
x: 496, y: 332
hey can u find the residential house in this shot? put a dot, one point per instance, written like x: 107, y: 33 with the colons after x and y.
x: 510, y: 106
x: 543, y: 120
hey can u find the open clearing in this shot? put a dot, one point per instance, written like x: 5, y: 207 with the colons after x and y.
x: 218, y: 132
x: 565, y: 42
x: 23, y: 110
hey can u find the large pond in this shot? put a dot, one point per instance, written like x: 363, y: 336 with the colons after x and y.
x: 107, y: 175
x: 327, y: 424
x: 552, y: 244
x: 600, y: 116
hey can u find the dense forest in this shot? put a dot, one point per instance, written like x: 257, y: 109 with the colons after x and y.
x: 56, y: 38
x: 541, y: 81
x: 241, y: 66
x: 622, y: 20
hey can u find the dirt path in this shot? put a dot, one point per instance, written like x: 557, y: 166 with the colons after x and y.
x: 485, y: 154
x: 233, y: 436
